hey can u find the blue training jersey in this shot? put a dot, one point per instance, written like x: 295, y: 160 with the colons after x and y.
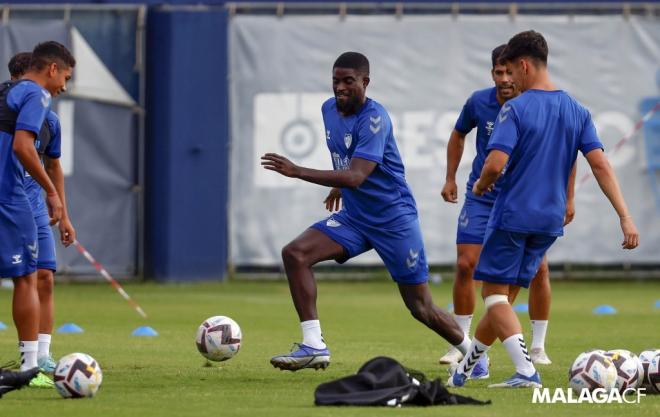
x: 51, y: 150
x: 541, y: 131
x: 480, y: 111
x: 31, y: 103
x: 384, y: 198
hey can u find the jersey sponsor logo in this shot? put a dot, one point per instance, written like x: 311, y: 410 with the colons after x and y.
x: 341, y: 164
x: 375, y: 125
x: 503, y: 116
x: 412, y: 259
x: 16, y: 259
x: 489, y: 127
x: 463, y: 220
x: 332, y: 223
x: 348, y: 139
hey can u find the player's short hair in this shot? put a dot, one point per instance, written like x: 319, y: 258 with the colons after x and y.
x: 19, y: 64
x: 353, y: 60
x: 48, y: 52
x: 526, y: 44
x: 495, y: 55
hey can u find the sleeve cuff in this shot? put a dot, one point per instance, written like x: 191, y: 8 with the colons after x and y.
x: 23, y: 126
x: 590, y: 147
x: 368, y: 157
x: 506, y: 149
x: 462, y: 130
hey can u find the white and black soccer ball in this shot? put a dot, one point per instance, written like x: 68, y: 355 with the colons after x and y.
x: 77, y: 375
x: 218, y: 338
x: 651, y: 365
x: 592, y: 370
x: 628, y: 368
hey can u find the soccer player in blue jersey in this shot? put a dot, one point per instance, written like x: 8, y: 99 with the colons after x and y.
x: 23, y: 109
x: 533, y: 148
x: 379, y: 212
x: 481, y: 111
x: 48, y: 146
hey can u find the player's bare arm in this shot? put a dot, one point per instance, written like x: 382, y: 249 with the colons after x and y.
x: 358, y: 170
x: 495, y: 163
x: 27, y: 154
x: 454, y: 154
x: 56, y: 175
x: 607, y: 181
x: 570, y: 195
x: 333, y: 200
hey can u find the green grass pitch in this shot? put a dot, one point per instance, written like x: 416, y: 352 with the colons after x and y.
x: 165, y: 376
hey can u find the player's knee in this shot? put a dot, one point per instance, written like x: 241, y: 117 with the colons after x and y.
x: 292, y: 254
x: 45, y: 283
x: 420, y: 311
x: 465, y: 266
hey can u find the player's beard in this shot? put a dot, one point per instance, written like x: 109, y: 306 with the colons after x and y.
x: 349, y: 106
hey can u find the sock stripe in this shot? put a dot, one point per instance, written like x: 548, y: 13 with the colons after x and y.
x: 523, y: 346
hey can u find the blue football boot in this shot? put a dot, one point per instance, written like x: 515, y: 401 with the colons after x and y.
x: 302, y: 356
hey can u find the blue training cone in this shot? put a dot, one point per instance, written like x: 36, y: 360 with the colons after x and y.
x: 3, y: 326
x: 70, y: 328
x: 657, y: 304
x: 521, y: 308
x: 144, y: 331
x: 604, y: 309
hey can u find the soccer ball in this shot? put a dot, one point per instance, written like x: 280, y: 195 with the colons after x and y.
x: 218, y: 338
x: 651, y: 365
x: 77, y: 375
x: 629, y: 369
x: 592, y: 370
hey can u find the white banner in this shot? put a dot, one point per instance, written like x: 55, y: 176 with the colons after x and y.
x: 423, y: 68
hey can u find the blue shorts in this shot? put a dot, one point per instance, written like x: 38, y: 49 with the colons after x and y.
x: 511, y: 257
x: 401, y: 249
x: 18, y: 240
x: 46, y: 259
x: 472, y: 222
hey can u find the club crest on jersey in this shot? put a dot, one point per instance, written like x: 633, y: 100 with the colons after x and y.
x: 489, y: 127
x: 348, y: 139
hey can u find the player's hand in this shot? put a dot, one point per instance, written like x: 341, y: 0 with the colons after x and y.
x: 278, y: 163
x: 450, y: 192
x: 67, y: 232
x: 333, y: 200
x: 570, y: 212
x: 479, y: 190
x: 630, y: 233
x: 54, y: 208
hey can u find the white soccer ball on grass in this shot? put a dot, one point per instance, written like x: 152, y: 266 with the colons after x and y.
x: 218, y: 338
x: 592, y: 370
x: 628, y: 367
x: 77, y: 375
x: 651, y: 365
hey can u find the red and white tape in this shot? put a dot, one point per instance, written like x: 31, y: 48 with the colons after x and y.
x: 108, y: 277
